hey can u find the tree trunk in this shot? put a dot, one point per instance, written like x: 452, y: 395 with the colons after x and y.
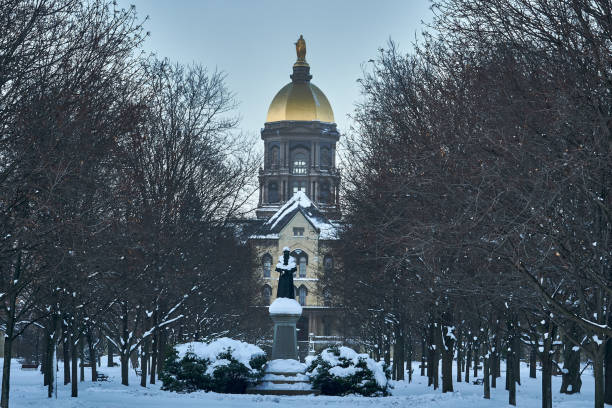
x: 447, y: 348
x: 486, y: 383
x: 153, y: 369
x: 432, y: 368
x: 475, y: 360
x: 387, y: 351
x: 571, y: 382
x: 468, y: 361
x: 516, y: 351
x: 82, y: 357
x: 494, y: 360
x: 423, y: 358
x: 110, y: 347
x: 144, y: 359
x: 532, y: 362
x: 125, y: 366
x: 497, y: 365
x: 74, y: 363
x: 409, y: 356
x: 598, y: 372
x: 608, y: 369
x: 546, y: 361
x: 510, y: 379
x: 398, y: 354
x: 51, y: 374
x: 66, y: 352
x: 8, y: 354
x: 92, y: 357
x: 161, y: 350
x: 459, y: 358
x: 44, y: 367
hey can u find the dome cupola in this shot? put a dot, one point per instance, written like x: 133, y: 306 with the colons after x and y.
x: 300, y: 100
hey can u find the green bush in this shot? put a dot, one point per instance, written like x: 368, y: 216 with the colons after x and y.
x: 225, y: 375
x: 341, y: 371
x: 185, y: 375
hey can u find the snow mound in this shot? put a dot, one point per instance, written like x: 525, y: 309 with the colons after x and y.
x: 285, y: 366
x: 285, y: 306
x: 241, y: 351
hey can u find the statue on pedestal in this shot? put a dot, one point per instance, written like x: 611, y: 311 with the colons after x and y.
x: 286, y: 267
x: 300, y: 49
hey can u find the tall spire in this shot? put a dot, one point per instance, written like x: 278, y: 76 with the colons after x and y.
x: 301, y: 69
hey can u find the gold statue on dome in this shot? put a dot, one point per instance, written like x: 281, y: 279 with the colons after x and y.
x: 300, y: 49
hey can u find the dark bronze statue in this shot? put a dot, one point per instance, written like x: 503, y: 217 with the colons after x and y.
x: 286, y: 267
x: 300, y: 49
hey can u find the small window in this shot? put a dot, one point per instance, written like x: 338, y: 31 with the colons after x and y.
x: 273, y: 196
x: 324, y: 193
x: 303, y: 292
x: 299, y: 164
x: 274, y: 155
x: 298, y: 232
x: 266, y: 294
x: 267, y: 265
x: 325, y: 157
x: 303, y: 267
x: 328, y: 263
x: 299, y: 186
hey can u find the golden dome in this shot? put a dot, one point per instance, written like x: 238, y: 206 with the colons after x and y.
x: 300, y: 101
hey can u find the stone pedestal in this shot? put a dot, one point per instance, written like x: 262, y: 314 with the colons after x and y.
x: 285, y: 336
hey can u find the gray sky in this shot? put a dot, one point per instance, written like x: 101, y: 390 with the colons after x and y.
x: 252, y: 41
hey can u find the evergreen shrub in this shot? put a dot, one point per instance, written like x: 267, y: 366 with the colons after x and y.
x: 342, y: 371
x: 224, y: 366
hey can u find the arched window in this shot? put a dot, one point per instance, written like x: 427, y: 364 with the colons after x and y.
x: 267, y: 265
x: 274, y: 156
x: 299, y: 163
x: 273, y: 192
x: 324, y: 193
x: 302, y: 268
x: 328, y: 263
x: 266, y: 293
x: 326, y: 159
x: 302, y: 293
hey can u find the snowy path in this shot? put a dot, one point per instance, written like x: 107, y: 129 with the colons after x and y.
x: 27, y: 391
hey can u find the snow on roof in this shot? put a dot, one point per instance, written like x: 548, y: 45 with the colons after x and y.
x: 299, y: 203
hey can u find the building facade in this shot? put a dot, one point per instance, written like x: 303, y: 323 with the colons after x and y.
x: 298, y: 197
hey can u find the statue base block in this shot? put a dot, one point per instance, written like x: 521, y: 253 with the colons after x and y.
x: 285, y: 336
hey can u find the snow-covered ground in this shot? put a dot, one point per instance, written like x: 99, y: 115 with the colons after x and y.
x: 27, y: 391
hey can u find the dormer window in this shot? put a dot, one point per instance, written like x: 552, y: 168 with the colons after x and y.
x: 298, y: 231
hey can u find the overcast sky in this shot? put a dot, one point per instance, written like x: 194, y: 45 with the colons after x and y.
x: 253, y: 42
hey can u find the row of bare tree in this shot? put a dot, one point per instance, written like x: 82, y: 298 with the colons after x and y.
x: 478, y: 195
x: 118, y: 173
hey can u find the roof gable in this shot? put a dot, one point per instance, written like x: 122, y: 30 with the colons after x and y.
x: 299, y: 203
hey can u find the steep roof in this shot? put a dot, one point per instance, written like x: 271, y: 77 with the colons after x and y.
x: 302, y: 204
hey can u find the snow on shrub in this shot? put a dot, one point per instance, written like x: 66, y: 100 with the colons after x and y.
x: 223, y: 365
x: 342, y: 371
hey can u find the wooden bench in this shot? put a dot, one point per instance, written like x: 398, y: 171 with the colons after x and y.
x: 85, y: 365
x: 138, y: 372
x: 101, y: 377
x: 29, y: 367
x: 478, y: 381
